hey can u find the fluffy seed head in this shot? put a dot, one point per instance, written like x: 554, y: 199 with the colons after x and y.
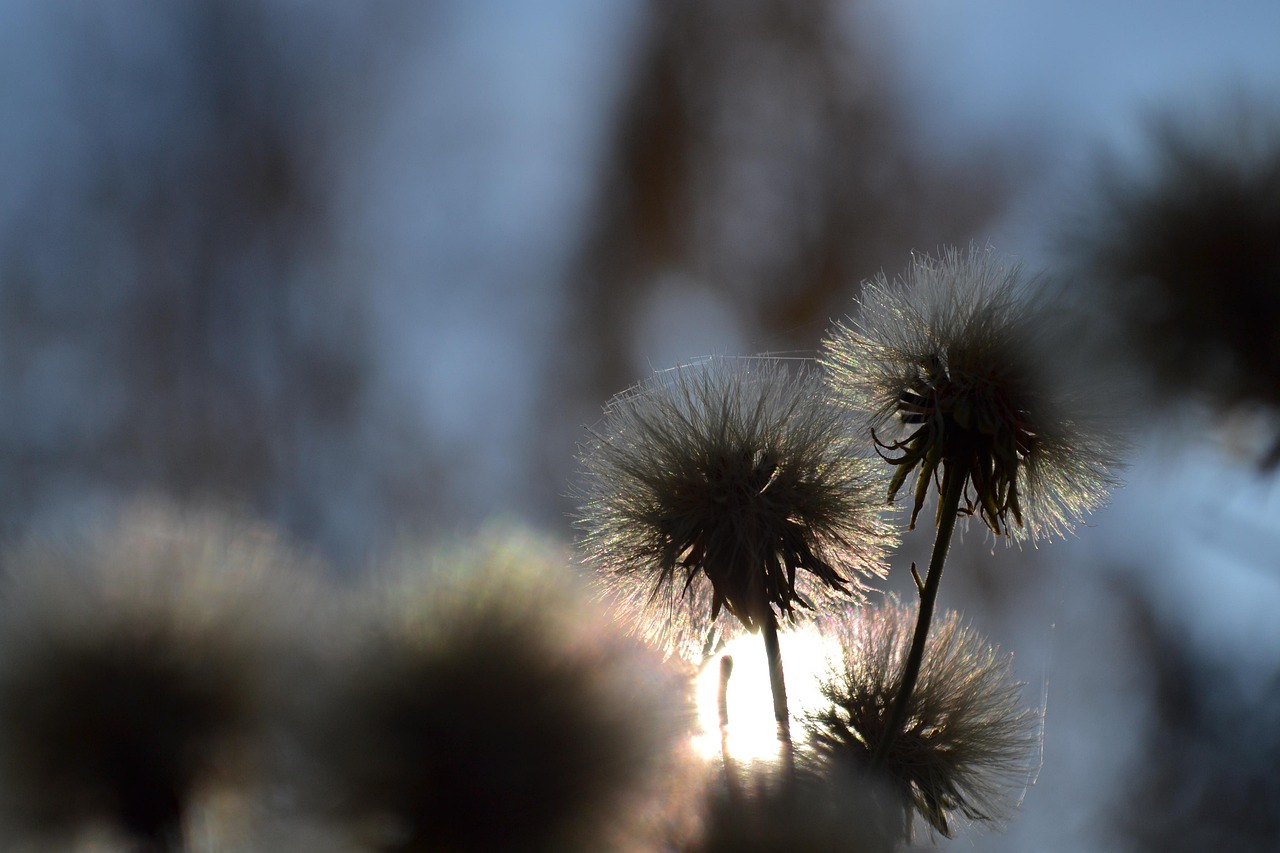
x: 727, y: 485
x: 134, y: 673
x: 969, y: 746
x: 485, y: 708
x: 952, y: 356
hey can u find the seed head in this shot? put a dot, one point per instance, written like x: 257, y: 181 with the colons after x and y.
x: 1185, y: 253
x: 969, y: 746
x: 135, y: 671
x: 484, y: 708
x: 728, y: 485
x: 804, y: 812
x: 951, y: 356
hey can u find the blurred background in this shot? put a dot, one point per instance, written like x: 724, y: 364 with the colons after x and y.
x: 366, y: 270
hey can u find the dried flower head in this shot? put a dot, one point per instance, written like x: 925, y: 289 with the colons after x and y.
x: 952, y: 353
x: 1185, y: 252
x: 969, y: 746
x: 135, y: 674
x: 727, y: 485
x: 484, y: 707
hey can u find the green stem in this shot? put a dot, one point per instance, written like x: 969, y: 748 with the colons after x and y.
x: 781, y: 712
x: 953, y: 481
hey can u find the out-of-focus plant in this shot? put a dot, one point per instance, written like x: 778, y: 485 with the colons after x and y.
x: 1182, y: 252
x: 806, y: 811
x: 140, y: 673
x: 484, y: 704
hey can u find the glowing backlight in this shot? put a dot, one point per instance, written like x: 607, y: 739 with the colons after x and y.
x: 752, y: 733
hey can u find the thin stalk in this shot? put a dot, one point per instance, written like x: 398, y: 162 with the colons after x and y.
x: 732, y: 783
x: 953, y: 481
x: 781, y: 712
x: 722, y: 694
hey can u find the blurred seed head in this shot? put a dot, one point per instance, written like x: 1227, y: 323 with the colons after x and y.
x: 810, y: 813
x: 947, y: 365
x: 1184, y: 250
x: 729, y: 485
x: 485, y: 705
x: 969, y: 748
x: 137, y: 669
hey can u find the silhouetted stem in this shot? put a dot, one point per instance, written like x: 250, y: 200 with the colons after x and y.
x: 953, y: 481
x: 732, y: 783
x: 781, y: 713
x: 722, y: 696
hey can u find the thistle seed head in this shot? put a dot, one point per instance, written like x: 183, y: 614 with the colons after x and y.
x: 969, y: 746
x: 946, y: 368
x: 727, y: 486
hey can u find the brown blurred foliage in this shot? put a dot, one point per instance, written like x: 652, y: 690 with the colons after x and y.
x: 170, y: 318
x: 763, y: 148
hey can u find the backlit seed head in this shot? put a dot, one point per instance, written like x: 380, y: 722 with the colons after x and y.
x: 732, y: 487
x: 969, y: 746
x: 946, y: 367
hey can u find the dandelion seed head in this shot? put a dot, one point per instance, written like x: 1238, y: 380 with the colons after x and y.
x: 969, y: 746
x: 721, y: 492
x: 947, y: 367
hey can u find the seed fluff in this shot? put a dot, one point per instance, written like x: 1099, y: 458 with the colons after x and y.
x: 723, y: 492
x: 969, y: 747
x: 948, y: 368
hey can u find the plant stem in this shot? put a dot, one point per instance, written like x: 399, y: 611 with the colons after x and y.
x: 732, y: 783
x: 953, y: 481
x: 781, y: 712
x: 722, y: 694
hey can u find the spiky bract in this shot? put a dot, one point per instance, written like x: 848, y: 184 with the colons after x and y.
x: 726, y: 485
x: 485, y: 708
x: 953, y: 355
x: 135, y: 673
x: 969, y: 746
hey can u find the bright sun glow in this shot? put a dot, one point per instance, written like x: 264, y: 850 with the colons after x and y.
x: 752, y: 731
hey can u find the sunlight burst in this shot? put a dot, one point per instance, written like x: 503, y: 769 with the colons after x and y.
x: 752, y: 731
